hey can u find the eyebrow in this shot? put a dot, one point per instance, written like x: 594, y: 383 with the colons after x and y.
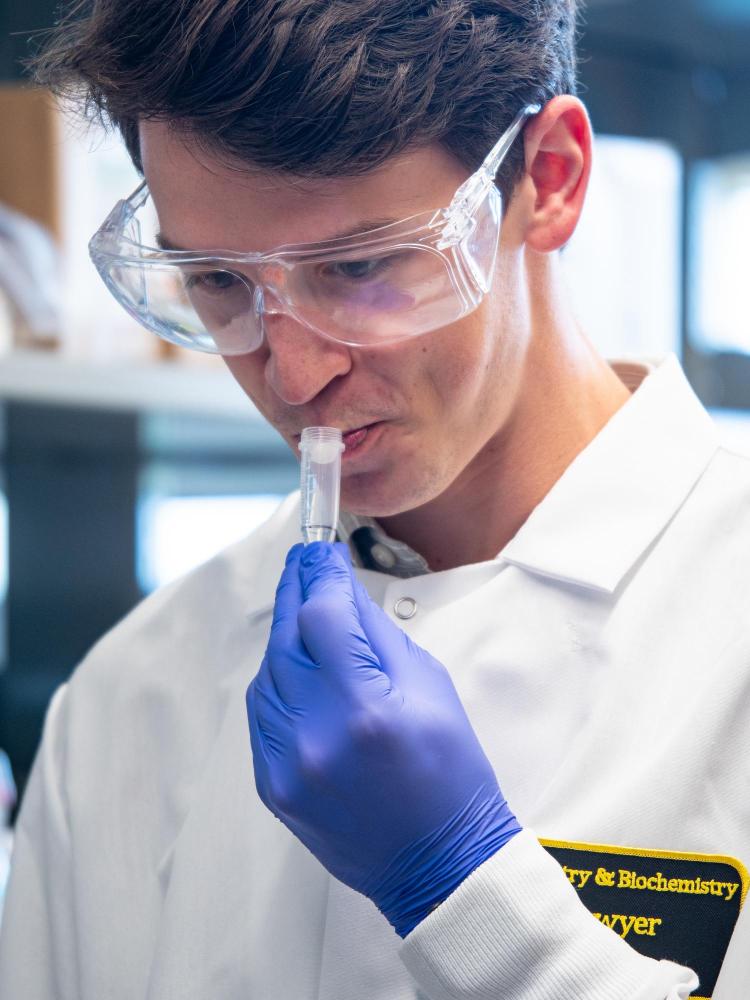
x: 164, y: 243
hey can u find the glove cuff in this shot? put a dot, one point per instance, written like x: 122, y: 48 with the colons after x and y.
x: 426, y: 873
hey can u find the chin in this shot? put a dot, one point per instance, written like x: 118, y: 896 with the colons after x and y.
x: 373, y: 496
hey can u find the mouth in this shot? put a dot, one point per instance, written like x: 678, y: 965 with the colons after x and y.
x: 355, y: 438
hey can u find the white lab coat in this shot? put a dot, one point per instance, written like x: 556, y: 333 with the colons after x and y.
x: 604, y: 660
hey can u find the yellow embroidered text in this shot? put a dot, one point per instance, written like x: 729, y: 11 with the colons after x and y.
x: 623, y: 925
x: 659, y: 883
x: 578, y: 877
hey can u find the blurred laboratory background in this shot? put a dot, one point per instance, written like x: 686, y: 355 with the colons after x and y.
x: 123, y: 463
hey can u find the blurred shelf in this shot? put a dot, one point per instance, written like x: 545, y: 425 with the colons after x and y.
x: 150, y: 387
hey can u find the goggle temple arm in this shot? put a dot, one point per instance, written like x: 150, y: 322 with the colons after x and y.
x: 497, y: 154
x: 459, y: 214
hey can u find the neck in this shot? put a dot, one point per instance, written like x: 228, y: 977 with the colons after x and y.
x: 567, y: 393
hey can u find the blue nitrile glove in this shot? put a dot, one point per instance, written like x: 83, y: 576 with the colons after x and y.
x: 362, y: 747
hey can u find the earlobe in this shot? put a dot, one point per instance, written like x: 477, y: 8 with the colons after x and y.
x: 558, y: 166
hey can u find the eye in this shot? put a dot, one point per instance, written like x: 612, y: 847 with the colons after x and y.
x: 358, y: 270
x: 211, y: 281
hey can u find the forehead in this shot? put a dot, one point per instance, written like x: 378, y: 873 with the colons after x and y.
x: 204, y: 201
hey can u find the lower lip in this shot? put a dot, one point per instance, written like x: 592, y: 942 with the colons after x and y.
x: 357, y: 442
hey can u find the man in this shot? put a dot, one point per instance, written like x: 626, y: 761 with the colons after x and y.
x: 544, y: 633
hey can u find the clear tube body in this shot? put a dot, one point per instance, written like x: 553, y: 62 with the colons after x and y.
x: 320, y: 483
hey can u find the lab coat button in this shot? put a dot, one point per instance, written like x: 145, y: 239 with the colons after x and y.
x: 405, y: 608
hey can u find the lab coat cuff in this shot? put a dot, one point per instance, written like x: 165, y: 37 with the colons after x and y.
x: 515, y: 928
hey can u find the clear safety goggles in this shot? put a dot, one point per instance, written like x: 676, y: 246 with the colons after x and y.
x: 376, y: 287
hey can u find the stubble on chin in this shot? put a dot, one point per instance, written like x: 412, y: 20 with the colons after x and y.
x: 403, y: 489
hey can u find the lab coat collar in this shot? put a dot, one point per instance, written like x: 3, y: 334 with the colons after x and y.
x: 621, y: 491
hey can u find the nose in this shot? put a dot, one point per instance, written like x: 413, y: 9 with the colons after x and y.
x: 300, y: 362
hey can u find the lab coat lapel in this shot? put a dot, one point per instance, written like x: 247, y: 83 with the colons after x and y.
x: 244, y: 902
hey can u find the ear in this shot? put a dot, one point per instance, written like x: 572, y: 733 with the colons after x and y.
x: 558, y: 165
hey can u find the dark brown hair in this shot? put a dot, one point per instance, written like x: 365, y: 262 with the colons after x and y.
x: 316, y: 87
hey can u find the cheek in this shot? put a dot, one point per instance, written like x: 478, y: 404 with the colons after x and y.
x: 461, y: 364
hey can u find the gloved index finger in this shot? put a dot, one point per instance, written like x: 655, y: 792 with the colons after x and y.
x: 287, y: 661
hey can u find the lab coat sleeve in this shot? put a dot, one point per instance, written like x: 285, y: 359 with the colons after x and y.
x: 517, y: 929
x: 37, y: 935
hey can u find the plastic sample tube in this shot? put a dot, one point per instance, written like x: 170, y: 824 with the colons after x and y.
x: 320, y: 483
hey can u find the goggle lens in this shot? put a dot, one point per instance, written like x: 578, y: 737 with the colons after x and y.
x: 203, y: 308
x: 358, y: 297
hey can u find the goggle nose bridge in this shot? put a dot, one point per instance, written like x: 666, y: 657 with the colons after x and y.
x: 268, y: 296
x: 266, y: 303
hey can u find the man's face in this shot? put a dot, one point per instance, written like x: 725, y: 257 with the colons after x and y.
x: 418, y: 415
